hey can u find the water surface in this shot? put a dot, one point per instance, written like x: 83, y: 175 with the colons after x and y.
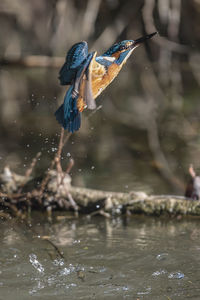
x: 136, y: 258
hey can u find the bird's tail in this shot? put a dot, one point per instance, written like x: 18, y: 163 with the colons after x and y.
x: 68, y: 114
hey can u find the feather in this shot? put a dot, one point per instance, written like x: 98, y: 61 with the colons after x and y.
x: 81, y: 71
x: 75, y: 57
x: 68, y: 114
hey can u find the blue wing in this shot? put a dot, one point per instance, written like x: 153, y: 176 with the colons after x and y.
x: 75, y: 57
x: 67, y: 114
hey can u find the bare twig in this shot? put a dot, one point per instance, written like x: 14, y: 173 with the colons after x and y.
x: 56, y: 159
x: 90, y: 16
x: 58, y: 154
x: 30, y: 170
x: 70, y: 165
x: 33, y: 163
x: 55, y: 247
x: 147, y: 14
x: 67, y: 138
x: 46, y: 178
x: 191, y: 171
x: 73, y: 203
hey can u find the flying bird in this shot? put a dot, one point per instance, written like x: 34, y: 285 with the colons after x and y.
x: 88, y: 75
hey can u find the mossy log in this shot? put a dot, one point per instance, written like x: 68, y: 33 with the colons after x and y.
x: 19, y: 194
x: 135, y: 202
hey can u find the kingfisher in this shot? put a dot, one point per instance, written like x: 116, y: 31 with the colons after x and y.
x: 88, y: 75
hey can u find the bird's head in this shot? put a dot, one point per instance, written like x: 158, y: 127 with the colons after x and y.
x: 122, y: 50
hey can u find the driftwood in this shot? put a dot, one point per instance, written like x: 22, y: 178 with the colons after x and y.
x: 135, y: 202
x: 21, y: 194
x: 59, y: 194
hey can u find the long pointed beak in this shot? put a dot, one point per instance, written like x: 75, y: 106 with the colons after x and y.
x: 142, y: 39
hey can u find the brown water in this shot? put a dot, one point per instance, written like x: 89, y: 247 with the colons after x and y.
x: 136, y: 258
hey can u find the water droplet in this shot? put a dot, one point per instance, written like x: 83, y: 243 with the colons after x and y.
x: 27, y: 145
x: 35, y: 263
x: 160, y: 272
x: 176, y: 275
x: 146, y: 292
x: 58, y: 262
x: 161, y: 256
x: 65, y: 271
x: 76, y: 242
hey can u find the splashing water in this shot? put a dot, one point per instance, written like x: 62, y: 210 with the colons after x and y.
x: 35, y: 263
x: 176, y: 275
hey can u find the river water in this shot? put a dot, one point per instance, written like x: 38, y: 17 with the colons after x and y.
x: 123, y: 258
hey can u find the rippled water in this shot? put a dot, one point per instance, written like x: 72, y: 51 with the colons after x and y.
x: 136, y: 258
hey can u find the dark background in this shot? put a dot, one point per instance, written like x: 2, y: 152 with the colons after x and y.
x: 146, y: 133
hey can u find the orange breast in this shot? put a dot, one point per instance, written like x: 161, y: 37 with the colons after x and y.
x: 100, y: 79
x: 100, y: 83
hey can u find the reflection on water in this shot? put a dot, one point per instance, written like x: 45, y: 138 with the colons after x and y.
x: 136, y: 258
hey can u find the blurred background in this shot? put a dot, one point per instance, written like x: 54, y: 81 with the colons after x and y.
x: 145, y: 132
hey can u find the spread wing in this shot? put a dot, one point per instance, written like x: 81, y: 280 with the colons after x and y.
x: 75, y: 57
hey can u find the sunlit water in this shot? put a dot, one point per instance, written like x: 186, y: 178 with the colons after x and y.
x: 136, y: 258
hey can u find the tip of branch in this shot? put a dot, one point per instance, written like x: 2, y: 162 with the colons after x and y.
x: 191, y: 171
